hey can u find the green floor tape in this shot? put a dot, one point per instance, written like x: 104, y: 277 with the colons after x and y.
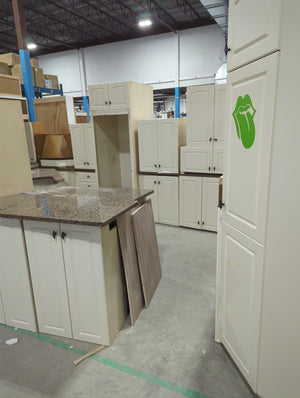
x: 186, y: 392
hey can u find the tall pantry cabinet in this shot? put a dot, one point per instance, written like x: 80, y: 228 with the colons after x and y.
x: 258, y: 297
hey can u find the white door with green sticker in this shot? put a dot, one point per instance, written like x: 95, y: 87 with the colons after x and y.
x: 252, y: 91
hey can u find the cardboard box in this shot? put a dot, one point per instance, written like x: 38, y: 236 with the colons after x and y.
x: 4, y: 68
x: 52, y: 80
x: 35, y: 63
x: 10, y: 85
x: 39, y: 77
x: 16, y: 70
x: 10, y: 59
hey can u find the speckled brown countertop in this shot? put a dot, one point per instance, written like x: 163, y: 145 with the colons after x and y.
x: 85, y: 206
x: 43, y: 173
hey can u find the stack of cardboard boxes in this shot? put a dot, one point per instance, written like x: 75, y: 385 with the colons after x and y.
x: 10, y: 65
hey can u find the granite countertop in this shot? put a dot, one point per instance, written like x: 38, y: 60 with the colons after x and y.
x: 73, y: 205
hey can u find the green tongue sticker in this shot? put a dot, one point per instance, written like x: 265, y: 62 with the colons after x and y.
x: 243, y: 116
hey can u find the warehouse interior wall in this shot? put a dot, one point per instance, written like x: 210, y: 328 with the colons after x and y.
x: 151, y: 60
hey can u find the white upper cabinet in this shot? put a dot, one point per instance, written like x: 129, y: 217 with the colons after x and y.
x: 190, y: 201
x: 16, y: 301
x: 109, y: 98
x: 248, y: 146
x: 159, y: 146
x: 254, y: 30
x: 200, y: 111
x: 220, y: 112
x: 210, y: 204
x: 147, y: 140
x: 196, y: 159
x: 83, y: 144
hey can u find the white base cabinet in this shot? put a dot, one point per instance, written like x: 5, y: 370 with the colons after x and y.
x: 199, y: 202
x: 77, y: 280
x: 84, y: 179
x: 16, y: 301
x: 164, y: 199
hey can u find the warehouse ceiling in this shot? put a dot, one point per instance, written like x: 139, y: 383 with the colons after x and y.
x: 71, y: 24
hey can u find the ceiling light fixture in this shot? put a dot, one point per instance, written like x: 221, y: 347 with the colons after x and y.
x: 145, y: 22
x: 31, y: 46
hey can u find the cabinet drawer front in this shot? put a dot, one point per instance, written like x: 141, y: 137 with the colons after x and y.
x: 81, y: 176
x: 196, y: 160
x: 88, y: 184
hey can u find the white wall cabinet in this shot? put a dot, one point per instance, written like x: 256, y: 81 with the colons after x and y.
x: 199, y: 202
x: 112, y: 97
x: 159, y: 142
x: 78, y: 287
x: 16, y: 301
x: 249, y: 41
x: 207, y: 158
x: 84, y: 147
x: 165, y: 197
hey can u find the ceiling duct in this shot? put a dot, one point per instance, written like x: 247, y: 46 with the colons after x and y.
x: 218, y: 9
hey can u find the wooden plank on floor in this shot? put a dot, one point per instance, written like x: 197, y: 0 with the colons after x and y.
x: 132, y: 274
x: 147, y: 249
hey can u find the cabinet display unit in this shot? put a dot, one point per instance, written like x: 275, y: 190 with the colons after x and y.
x: 164, y: 199
x: 258, y: 252
x: 206, y: 123
x: 199, y: 202
x: 115, y: 129
x: 159, y: 142
x: 78, y: 288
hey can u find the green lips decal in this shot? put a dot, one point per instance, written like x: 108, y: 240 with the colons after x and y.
x: 243, y: 116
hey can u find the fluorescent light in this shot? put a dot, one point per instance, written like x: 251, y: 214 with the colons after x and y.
x: 31, y: 46
x: 145, y: 22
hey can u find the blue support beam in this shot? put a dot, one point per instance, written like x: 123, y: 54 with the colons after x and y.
x: 86, y: 106
x: 28, y: 82
x: 177, y: 102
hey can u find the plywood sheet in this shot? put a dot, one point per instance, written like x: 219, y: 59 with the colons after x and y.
x: 147, y: 250
x: 57, y: 146
x: 53, y: 114
x: 131, y: 268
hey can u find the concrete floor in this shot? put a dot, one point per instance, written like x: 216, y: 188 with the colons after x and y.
x: 170, y: 352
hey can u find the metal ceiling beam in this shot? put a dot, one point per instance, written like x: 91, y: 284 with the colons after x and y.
x: 152, y: 8
x: 89, y: 19
x: 186, y: 9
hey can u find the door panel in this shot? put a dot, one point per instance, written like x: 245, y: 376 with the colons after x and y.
x: 249, y: 146
x: 190, y: 201
x: 218, y: 158
x: 221, y: 111
x: 200, y: 111
x: 150, y: 182
x: 85, y: 277
x: 254, y: 30
x: 168, y: 200
x: 48, y: 277
x: 210, y: 204
x: 167, y: 137
x: 78, y: 145
x: 242, y: 269
x: 147, y: 137
x: 118, y: 96
x: 196, y: 159
x: 16, y: 301
x: 90, y: 146
x: 98, y: 97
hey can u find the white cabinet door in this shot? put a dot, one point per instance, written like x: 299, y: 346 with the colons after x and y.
x: 242, y: 275
x: 147, y: 137
x: 190, y: 201
x: 210, y: 204
x: 150, y: 182
x: 16, y: 302
x: 200, y: 115
x: 98, y: 97
x: 167, y: 141
x: 168, y: 200
x: 254, y: 30
x: 90, y: 146
x: 118, y: 96
x: 218, y: 158
x: 252, y: 96
x: 221, y: 111
x: 196, y: 159
x: 78, y: 145
x: 86, y: 286
x: 48, y: 277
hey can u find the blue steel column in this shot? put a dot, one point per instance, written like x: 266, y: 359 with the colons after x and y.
x: 86, y: 106
x: 177, y: 102
x: 28, y: 82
